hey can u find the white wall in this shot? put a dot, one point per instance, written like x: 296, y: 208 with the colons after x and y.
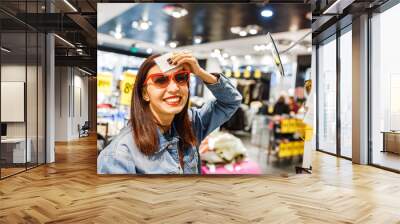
x: 10, y: 73
x: 71, y: 94
x: 33, y: 127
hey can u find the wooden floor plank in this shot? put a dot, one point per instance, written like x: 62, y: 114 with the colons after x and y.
x: 70, y: 191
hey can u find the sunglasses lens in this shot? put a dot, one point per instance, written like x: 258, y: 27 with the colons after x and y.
x: 182, y: 77
x: 161, y: 80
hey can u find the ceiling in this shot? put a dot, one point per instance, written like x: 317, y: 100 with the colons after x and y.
x: 210, y: 21
x: 330, y: 16
x: 76, y: 26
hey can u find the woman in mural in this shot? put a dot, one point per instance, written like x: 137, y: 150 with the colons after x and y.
x: 163, y: 134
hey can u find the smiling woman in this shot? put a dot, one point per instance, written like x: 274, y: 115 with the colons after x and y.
x: 164, y: 134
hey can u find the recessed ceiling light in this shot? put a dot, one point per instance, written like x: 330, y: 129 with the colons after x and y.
x: 242, y: 33
x: 267, y: 13
x: 173, y: 44
x: 233, y: 58
x: 247, y: 57
x: 225, y: 55
x: 117, y: 33
x: 236, y: 29
x: 175, y: 10
x: 253, y: 29
x: 197, y: 39
x: 141, y: 24
x: 149, y: 50
x: 217, y: 51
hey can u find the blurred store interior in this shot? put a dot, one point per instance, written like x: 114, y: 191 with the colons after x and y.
x: 227, y: 38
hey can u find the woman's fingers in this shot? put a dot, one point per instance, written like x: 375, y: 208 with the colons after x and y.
x: 187, y: 67
x: 182, y: 58
x: 188, y: 62
x: 177, y: 57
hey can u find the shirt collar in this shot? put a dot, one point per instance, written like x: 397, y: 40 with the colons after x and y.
x: 164, y: 142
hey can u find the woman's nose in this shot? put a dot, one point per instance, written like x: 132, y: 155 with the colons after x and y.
x: 172, y: 86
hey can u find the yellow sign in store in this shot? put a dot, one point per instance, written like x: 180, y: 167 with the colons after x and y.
x: 127, y: 88
x: 257, y: 74
x: 246, y: 74
x: 104, y: 82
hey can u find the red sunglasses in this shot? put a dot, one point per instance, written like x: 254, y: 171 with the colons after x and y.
x: 162, y: 80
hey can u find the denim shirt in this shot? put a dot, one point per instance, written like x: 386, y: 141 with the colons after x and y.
x: 123, y: 157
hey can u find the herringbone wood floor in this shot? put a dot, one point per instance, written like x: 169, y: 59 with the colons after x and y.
x: 70, y: 191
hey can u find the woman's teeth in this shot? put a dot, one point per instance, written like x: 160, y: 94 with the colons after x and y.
x: 173, y: 100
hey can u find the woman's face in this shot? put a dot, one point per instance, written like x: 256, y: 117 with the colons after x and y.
x: 165, y: 101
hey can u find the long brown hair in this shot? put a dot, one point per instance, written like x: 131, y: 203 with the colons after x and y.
x: 142, y: 121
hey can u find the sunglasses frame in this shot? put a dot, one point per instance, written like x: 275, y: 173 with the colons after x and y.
x: 171, y: 76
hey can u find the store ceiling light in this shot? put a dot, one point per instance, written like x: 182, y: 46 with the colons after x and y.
x: 117, y: 33
x: 175, y: 10
x: 217, y: 51
x: 247, y: 57
x: 242, y: 33
x: 64, y: 40
x: 197, y: 39
x: 225, y: 55
x: 173, y: 44
x: 233, y: 58
x: 236, y: 29
x: 5, y: 50
x: 253, y: 29
x: 141, y: 24
x: 70, y: 5
x: 262, y: 47
x: 149, y: 51
x: 267, y: 13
